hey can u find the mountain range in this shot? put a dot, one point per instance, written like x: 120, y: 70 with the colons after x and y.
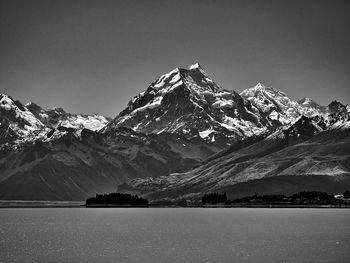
x: 182, y: 137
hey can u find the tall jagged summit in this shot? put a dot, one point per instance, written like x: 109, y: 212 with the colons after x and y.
x: 188, y: 101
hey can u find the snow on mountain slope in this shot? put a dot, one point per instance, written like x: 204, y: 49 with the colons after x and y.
x: 91, y: 122
x: 340, y: 120
x: 17, y: 122
x: 312, y: 108
x: 278, y: 106
x: 189, y: 102
x: 56, y: 117
x: 27, y: 123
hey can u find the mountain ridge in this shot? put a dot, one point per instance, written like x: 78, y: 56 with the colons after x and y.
x: 181, y: 123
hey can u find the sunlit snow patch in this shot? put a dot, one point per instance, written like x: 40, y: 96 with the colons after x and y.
x: 204, y: 134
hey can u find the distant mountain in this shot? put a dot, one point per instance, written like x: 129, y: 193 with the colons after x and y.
x: 56, y: 117
x: 278, y: 107
x: 184, y: 135
x: 312, y: 107
x: 27, y: 123
x: 17, y: 122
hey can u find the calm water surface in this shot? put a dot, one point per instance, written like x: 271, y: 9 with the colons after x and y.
x: 174, y: 235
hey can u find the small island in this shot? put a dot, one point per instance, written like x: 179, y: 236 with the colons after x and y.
x: 116, y: 200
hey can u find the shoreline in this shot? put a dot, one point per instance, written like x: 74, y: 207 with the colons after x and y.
x: 81, y: 204
x: 276, y: 206
x: 40, y: 204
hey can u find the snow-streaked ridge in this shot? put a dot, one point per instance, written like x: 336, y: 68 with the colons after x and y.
x: 29, y: 122
x: 277, y: 105
x: 186, y: 99
x: 20, y: 120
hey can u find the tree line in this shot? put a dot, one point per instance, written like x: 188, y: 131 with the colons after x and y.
x: 116, y: 199
x: 214, y: 198
x: 305, y: 197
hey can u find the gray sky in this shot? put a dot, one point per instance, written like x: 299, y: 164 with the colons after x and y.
x: 93, y: 56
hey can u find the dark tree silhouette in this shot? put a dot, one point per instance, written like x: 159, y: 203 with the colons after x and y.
x: 116, y: 199
x: 301, y: 198
x: 214, y: 198
x: 346, y: 194
x: 312, y: 196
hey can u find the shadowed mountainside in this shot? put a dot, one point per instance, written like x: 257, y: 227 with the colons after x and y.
x: 290, y: 157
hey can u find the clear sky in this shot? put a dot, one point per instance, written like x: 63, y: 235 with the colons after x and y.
x: 94, y: 56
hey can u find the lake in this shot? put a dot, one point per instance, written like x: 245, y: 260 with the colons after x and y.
x: 174, y: 235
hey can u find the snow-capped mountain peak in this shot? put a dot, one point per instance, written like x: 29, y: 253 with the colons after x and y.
x: 178, y: 82
x: 194, y: 79
x: 272, y: 102
x: 198, y: 67
x: 312, y: 107
x: 278, y: 106
x: 17, y: 122
x: 188, y: 101
x: 262, y: 91
x: 6, y: 102
x: 170, y: 78
x: 195, y: 66
x: 259, y: 86
x: 306, y: 101
x: 14, y: 111
x: 24, y: 123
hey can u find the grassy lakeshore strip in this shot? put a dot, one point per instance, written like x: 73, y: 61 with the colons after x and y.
x: 275, y: 206
x: 39, y: 204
